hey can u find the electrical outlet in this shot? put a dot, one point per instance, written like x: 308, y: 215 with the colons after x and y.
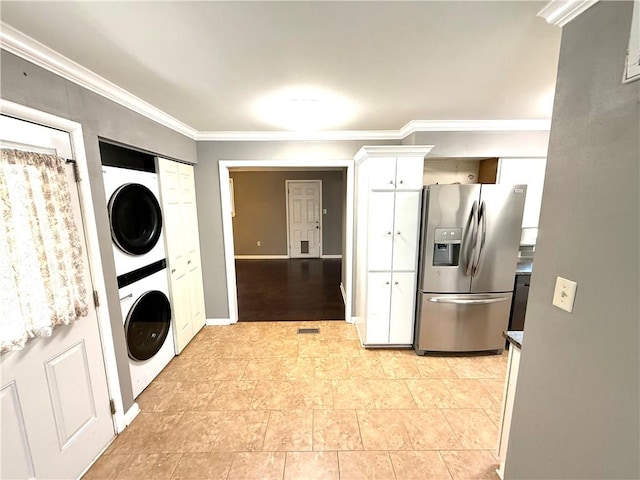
x: 324, y: 211
x: 564, y: 294
x: 259, y: 243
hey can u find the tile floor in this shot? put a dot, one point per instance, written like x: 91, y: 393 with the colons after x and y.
x: 260, y: 401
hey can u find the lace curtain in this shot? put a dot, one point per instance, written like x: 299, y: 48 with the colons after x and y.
x: 41, y: 267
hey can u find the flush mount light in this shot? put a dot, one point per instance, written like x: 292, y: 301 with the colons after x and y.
x: 304, y: 108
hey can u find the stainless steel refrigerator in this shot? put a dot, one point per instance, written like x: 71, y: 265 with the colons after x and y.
x: 469, y: 243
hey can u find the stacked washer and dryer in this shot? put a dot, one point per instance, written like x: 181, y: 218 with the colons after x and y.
x: 135, y: 219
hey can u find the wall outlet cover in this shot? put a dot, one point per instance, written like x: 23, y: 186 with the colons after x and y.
x: 564, y: 294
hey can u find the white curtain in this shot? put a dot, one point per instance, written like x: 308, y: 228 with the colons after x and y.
x: 41, y: 267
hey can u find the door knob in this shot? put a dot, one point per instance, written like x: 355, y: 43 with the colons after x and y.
x: 398, y: 233
x: 401, y: 182
x: 395, y: 283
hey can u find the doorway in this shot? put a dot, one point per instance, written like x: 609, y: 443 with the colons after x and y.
x: 228, y: 233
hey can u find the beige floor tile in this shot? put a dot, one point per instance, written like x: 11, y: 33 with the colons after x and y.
x: 196, y: 432
x: 192, y: 396
x: 435, y: 367
x: 157, y: 396
x: 350, y: 394
x: 383, y: 430
x: 289, y: 430
x: 331, y: 368
x: 392, y: 394
x: 471, y: 464
x: 227, y: 368
x: 423, y: 465
x: 233, y: 395
x: 473, y: 427
x: 495, y: 414
x: 313, y: 348
x: 468, y: 393
x: 200, y: 466
x: 312, y: 394
x: 257, y: 465
x: 107, y: 467
x: 146, y: 434
x: 311, y: 466
x: 364, y: 366
x: 344, y: 348
x: 266, y: 368
x: 272, y: 395
x: 241, y: 431
x: 400, y: 367
x: 430, y: 393
x: 154, y: 466
x: 495, y: 388
x: 336, y: 430
x: 428, y: 429
x: 365, y: 465
x: 468, y: 367
x: 298, y: 368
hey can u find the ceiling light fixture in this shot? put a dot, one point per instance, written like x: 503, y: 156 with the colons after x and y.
x: 304, y: 109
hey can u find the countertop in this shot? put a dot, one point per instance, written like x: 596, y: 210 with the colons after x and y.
x: 514, y: 337
x: 525, y: 266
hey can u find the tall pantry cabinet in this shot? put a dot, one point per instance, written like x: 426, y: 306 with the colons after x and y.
x: 387, y: 221
x: 177, y: 192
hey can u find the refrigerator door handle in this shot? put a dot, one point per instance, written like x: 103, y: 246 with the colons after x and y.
x: 472, y: 226
x: 480, y: 240
x: 467, y: 301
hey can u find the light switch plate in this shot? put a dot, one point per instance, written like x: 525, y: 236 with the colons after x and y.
x: 564, y: 294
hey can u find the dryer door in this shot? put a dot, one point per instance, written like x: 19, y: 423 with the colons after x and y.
x: 136, y: 219
x: 147, y: 325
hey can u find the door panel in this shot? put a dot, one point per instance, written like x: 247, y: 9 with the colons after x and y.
x: 378, y: 307
x: 448, y: 324
x: 409, y: 173
x: 503, y: 209
x: 380, y: 235
x: 382, y: 173
x: 403, y: 298
x: 304, y: 218
x: 446, y: 206
x: 55, y: 388
x: 405, y: 231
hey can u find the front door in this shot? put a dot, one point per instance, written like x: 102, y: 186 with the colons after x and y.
x: 303, y: 218
x: 53, y: 394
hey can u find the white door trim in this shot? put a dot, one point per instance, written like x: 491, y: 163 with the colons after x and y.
x: 227, y: 225
x: 286, y: 186
x: 121, y: 419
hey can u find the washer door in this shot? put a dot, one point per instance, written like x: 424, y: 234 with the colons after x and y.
x: 147, y: 325
x: 136, y: 219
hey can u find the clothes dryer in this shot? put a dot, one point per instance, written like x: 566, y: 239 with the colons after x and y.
x: 146, y: 313
x: 135, y: 217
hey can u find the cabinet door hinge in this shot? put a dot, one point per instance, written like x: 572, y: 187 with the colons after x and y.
x: 96, y: 299
x: 76, y: 172
x: 112, y: 406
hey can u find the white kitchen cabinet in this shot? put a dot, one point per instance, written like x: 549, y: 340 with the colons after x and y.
x: 530, y: 172
x: 177, y: 192
x: 387, y: 219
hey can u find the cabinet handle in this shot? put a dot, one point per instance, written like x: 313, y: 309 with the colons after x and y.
x: 396, y: 282
x: 173, y: 270
x: 390, y: 182
x: 398, y: 232
x: 388, y: 233
x: 188, y: 262
x: 401, y: 182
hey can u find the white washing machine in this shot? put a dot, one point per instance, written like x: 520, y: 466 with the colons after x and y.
x: 135, y: 217
x: 146, y: 312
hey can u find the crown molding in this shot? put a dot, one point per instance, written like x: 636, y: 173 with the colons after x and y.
x: 19, y: 44
x: 561, y: 12
x: 23, y: 46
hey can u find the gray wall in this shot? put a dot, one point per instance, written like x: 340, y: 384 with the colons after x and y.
x: 577, y: 403
x: 261, y: 211
x: 26, y: 84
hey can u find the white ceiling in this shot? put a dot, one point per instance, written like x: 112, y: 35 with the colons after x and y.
x: 206, y: 63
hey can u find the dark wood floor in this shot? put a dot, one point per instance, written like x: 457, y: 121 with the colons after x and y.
x: 296, y: 289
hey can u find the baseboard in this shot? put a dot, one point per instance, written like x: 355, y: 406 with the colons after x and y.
x: 218, y: 321
x: 261, y: 257
x: 344, y: 293
x: 331, y: 256
x: 123, y: 421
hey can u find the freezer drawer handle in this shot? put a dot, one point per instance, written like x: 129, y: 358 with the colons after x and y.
x: 465, y: 301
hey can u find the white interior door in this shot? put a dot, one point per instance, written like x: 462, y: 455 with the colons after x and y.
x: 54, y: 398
x: 303, y: 218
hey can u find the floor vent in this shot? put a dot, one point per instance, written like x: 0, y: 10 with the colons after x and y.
x: 308, y: 330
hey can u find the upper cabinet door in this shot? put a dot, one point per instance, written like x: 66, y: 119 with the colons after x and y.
x: 529, y: 172
x: 405, y: 231
x: 380, y: 232
x: 382, y: 173
x: 409, y: 173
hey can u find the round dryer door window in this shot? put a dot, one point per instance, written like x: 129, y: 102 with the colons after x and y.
x: 136, y: 219
x: 147, y: 325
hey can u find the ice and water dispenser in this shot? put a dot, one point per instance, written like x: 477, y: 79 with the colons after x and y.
x: 446, y: 247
